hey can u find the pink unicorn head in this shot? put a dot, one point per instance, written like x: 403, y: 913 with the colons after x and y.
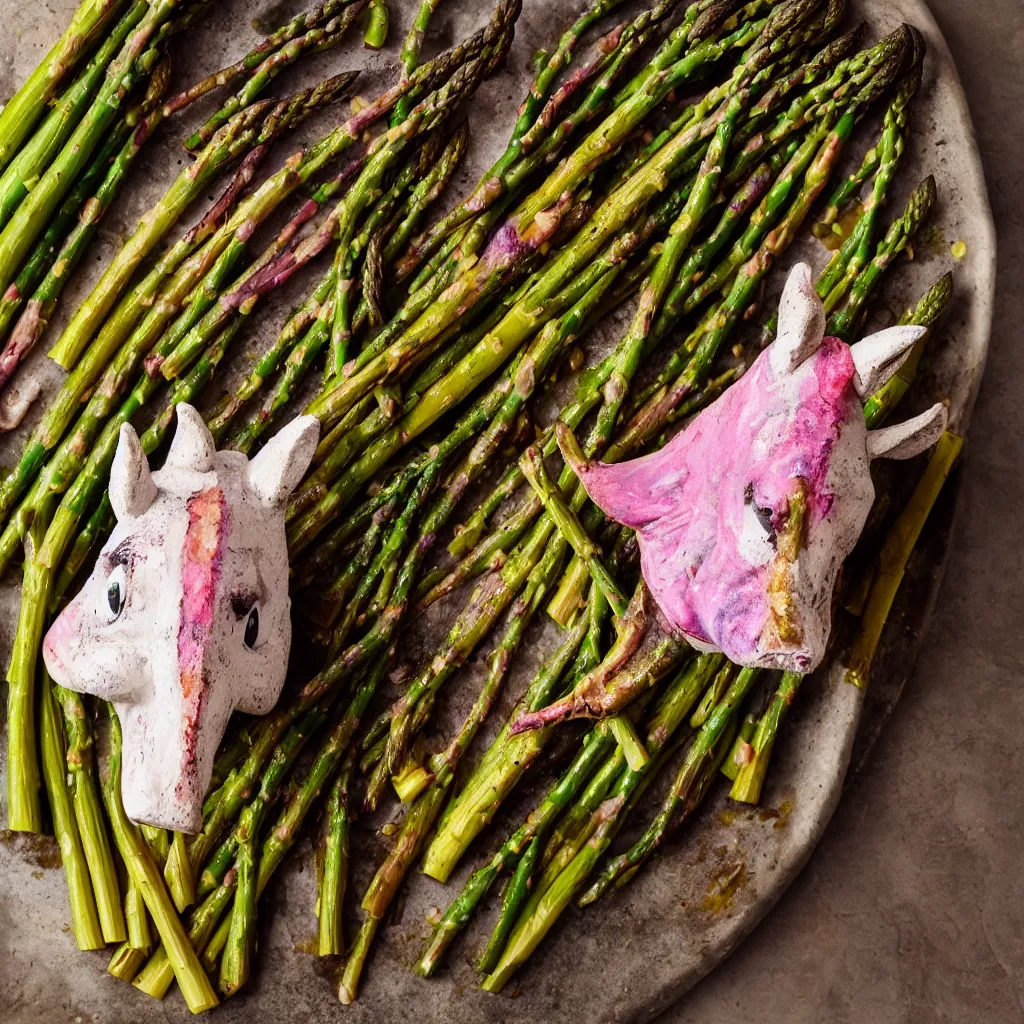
x: 745, y: 517
x: 185, y: 617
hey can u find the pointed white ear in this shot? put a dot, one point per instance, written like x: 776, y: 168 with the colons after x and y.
x: 193, y: 446
x: 284, y: 460
x: 131, y: 487
x: 877, y: 357
x: 909, y: 438
x: 801, y: 322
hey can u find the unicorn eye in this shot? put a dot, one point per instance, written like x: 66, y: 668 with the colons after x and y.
x: 117, y: 593
x: 252, y: 627
x: 763, y: 515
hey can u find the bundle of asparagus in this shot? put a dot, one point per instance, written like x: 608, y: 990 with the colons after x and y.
x: 88, y: 176
x: 440, y: 347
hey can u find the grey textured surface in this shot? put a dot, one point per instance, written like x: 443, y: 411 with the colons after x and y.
x: 634, y: 954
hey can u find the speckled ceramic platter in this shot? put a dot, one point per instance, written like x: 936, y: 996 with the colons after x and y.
x: 636, y: 952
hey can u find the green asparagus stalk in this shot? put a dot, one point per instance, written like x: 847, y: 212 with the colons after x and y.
x: 493, y: 183
x: 68, y: 399
x: 547, y: 901
x: 241, y: 942
x: 596, y: 747
x: 509, y: 757
x: 40, y: 307
x: 24, y: 109
x: 494, y: 349
x: 145, y: 875
x: 896, y: 552
x: 256, y: 56
x: 281, y: 761
x: 282, y: 184
x: 741, y: 751
x: 419, y: 820
x: 204, y: 934
x: 410, y: 55
x: 376, y: 33
x: 327, y: 33
x: 928, y: 309
x: 650, y: 180
x: 126, y: 961
x: 36, y: 155
x: 334, y: 874
x: 89, y: 814
x: 139, y: 937
x: 580, y: 297
x: 569, y: 526
x: 720, y: 322
x: 856, y: 250
x: 233, y: 139
x: 84, y: 919
x: 844, y: 320
x: 38, y: 262
x: 24, y: 813
x: 178, y: 874
x: 699, y: 756
x: 31, y: 216
x: 751, y: 775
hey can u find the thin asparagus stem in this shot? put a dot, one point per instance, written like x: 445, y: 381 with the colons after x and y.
x: 701, y: 756
x: 928, y: 309
x: 24, y: 109
x: 896, y: 551
x: 24, y: 812
x: 420, y: 818
x: 255, y: 57
x: 334, y: 874
x: 751, y: 774
x: 39, y: 151
x: 89, y: 814
x: 507, y: 759
x: 569, y: 526
x: 376, y: 33
x: 135, y: 58
x: 569, y: 870
x: 318, y: 37
x: 84, y: 919
x: 843, y: 321
x: 40, y: 307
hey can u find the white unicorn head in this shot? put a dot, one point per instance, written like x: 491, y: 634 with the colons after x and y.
x: 185, y: 617
x: 745, y: 517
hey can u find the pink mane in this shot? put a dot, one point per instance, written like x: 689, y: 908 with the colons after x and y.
x: 202, y: 552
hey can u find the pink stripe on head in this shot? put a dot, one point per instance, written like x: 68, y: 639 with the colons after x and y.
x: 200, y: 572
x: 202, y: 551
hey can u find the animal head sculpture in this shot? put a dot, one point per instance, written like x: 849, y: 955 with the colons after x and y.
x: 745, y: 517
x: 186, y: 614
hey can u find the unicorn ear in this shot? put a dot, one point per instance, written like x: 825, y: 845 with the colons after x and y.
x: 193, y: 446
x: 801, y: 322
x: 877, y: 357
x: 282, y: 463
x: 909, y: 438
x: 131, y: 487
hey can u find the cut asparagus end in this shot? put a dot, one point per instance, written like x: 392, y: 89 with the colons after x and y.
x: 627, y: 738
x: 410, y: 782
